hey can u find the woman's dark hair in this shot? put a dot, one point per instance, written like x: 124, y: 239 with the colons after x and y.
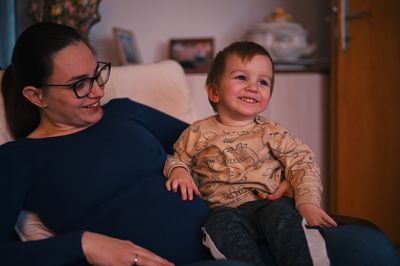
x: 245, y: 50
x: 32, y: 65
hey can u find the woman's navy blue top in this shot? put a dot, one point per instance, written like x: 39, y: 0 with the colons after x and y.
x: 106, y: 179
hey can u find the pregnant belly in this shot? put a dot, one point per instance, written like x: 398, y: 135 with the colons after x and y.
x: 156, y: 219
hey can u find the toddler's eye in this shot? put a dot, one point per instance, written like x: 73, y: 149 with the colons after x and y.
x: 263, y: 82
x: 240, y: 77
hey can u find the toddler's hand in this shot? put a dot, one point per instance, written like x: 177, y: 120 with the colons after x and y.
x: 315, y: 216
x: 180, y: 178
x: 283, y: 187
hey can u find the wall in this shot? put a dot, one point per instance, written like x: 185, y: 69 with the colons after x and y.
x: 155, y: 22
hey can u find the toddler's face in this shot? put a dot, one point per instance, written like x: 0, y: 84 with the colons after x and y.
x: 244, y: 90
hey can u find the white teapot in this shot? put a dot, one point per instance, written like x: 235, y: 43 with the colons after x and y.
x: 284, y: 40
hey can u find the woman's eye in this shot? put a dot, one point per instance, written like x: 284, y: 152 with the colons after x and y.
x: 240, y: 77
x: 80, y: 84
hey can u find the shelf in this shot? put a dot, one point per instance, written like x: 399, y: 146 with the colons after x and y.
x: 303, y: 65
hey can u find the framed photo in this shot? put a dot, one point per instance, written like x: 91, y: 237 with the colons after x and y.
x: 127, y: 47
x: 195, y: 55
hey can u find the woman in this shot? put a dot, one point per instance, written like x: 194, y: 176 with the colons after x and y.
x: 92, y: 173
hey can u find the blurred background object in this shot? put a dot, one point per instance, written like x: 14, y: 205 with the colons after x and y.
x: 79, y: 14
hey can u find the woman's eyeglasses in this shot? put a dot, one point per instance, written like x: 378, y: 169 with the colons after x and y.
x: 84, y: 86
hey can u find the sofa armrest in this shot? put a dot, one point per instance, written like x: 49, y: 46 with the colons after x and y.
x: 343, y: 220
x: 4, y: 132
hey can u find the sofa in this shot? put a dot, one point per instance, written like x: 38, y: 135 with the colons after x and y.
x: 161, y: 85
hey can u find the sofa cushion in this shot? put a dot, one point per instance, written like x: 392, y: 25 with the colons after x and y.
x: 4, y: 133
x: 160, y: 85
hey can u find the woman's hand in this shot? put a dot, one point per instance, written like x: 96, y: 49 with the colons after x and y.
x: 315, y: 216
x: 103, y: 250
x: 180, y: 178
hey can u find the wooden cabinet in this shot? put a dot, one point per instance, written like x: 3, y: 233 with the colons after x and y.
x: 365, y: 124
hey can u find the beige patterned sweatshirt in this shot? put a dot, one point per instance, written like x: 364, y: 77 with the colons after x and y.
x: 232, y: 164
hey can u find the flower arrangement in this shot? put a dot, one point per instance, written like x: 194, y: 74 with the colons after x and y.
x: 79, y: 14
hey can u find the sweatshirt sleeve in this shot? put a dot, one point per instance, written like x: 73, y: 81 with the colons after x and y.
x: 58, y: 250
x: 301, y: 169
x: 184, y: 151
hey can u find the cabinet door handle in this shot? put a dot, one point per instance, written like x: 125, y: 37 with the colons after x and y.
x: 345, y: 15
x: 358, y: 14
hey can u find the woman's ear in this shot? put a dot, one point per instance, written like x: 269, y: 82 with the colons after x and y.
x: 212, y: 94
x: 34, y: 95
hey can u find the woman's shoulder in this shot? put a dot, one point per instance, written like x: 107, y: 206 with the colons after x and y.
x: 119, y: 103
x: 17, y: 152
x: 119, y: 108
x: 19, y: 144
x: 126, y: 107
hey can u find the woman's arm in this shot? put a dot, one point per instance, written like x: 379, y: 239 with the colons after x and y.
x: 13, y: 189
x: 59, y: 250
x: 63, y: 249
x: 164, y: 127
x: 74, y: 247
x: 103, y: 250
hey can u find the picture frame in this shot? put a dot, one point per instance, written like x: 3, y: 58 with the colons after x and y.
x: 126, y: 46
x: 195, y: 54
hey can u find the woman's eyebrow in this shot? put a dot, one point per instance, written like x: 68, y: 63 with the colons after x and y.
x: 78, y: 77
x: 82, y: 76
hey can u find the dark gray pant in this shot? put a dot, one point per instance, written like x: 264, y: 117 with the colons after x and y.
x: 256, y: 230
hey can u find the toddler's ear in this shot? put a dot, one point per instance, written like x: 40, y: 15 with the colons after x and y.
x: 212, y: 94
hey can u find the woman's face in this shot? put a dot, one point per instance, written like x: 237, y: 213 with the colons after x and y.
x: 63, y: 110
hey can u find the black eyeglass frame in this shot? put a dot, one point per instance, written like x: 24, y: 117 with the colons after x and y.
x: 92, y: 79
